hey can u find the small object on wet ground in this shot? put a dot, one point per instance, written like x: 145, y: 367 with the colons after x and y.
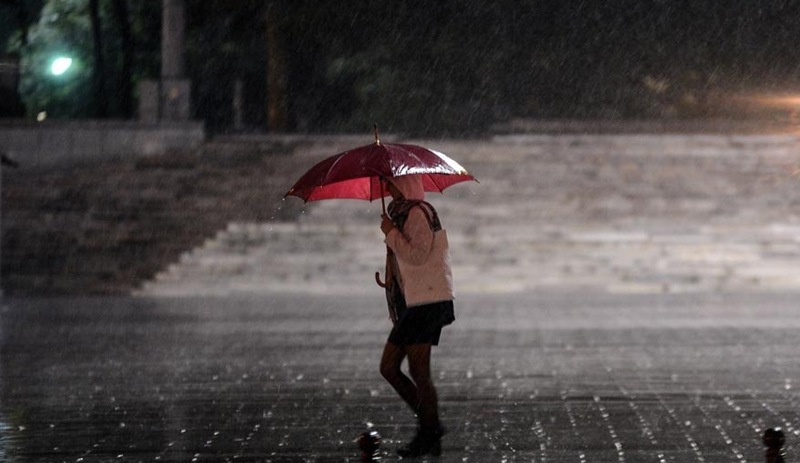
x: 370, y: 442
x: 774, y: 440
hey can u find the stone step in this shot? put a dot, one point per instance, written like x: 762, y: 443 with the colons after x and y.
x: 349, y: 255
x: 622, y: 213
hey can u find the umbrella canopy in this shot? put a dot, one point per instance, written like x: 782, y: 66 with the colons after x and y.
x: 356, y: 173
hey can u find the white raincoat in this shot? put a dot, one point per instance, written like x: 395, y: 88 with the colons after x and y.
x: 423, y: 257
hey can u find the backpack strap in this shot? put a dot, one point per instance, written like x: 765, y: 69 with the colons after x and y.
x: 431, y: 215
x: 399, y: 210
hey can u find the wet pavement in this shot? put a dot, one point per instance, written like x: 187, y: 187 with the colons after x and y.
x: 545, y: 377
x: 622, y: 298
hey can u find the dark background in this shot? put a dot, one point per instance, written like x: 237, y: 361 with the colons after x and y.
x: 450, y: 67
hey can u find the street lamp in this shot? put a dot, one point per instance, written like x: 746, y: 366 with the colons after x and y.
x: 60, y: 65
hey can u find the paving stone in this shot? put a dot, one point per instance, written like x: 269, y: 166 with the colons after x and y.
x: 565, y: 377
x: 620, y: 298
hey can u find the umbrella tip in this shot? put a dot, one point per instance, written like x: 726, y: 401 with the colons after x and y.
x: 375, y: 129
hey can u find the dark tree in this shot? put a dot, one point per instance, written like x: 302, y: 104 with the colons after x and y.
x: 18, y: 15
x: 277, y: 98
x: 99, y: 97
x: 124, y: 81
x: 449, y: 67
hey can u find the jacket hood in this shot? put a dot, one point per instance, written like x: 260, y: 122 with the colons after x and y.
x: 410, y: 186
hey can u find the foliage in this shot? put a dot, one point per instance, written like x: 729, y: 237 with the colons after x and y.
x: 445, y: 67
x: 61, y: 31
x: 64, y: 29
x: 224, y: 42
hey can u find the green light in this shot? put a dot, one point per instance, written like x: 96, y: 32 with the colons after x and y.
x: 60, y: 65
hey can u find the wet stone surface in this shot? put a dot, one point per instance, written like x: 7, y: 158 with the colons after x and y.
x: 545, y: 377
x: 614, y: 213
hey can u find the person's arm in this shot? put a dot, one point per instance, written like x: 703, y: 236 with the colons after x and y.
x: 413, y: 243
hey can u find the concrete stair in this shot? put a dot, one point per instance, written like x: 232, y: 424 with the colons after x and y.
x: 105, y: 227
x: 617, y: 213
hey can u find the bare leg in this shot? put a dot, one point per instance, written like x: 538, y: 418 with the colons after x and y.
x: 419, y: 366
x: 393, y: 356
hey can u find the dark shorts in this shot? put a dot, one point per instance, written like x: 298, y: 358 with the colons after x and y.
x: 422, y: 324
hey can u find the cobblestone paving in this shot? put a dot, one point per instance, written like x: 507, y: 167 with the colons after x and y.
x: 621, y: 299
x: 548, y: 377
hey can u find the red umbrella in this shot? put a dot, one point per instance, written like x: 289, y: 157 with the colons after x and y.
x: 356, y: 173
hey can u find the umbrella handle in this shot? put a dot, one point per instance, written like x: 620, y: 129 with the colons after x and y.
x: 382, y: 284
x: 389, y: 271
x: 383, y: 202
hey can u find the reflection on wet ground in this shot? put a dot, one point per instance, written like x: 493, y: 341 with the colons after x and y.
x: 553, y: 377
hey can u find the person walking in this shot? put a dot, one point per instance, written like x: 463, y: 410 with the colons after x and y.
x: 420, y: 296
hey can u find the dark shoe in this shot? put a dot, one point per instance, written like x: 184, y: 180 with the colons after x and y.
x: 426, y: 442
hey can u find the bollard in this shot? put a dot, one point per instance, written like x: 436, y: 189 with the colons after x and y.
x: 774, y: 440
x: 370, y: 442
